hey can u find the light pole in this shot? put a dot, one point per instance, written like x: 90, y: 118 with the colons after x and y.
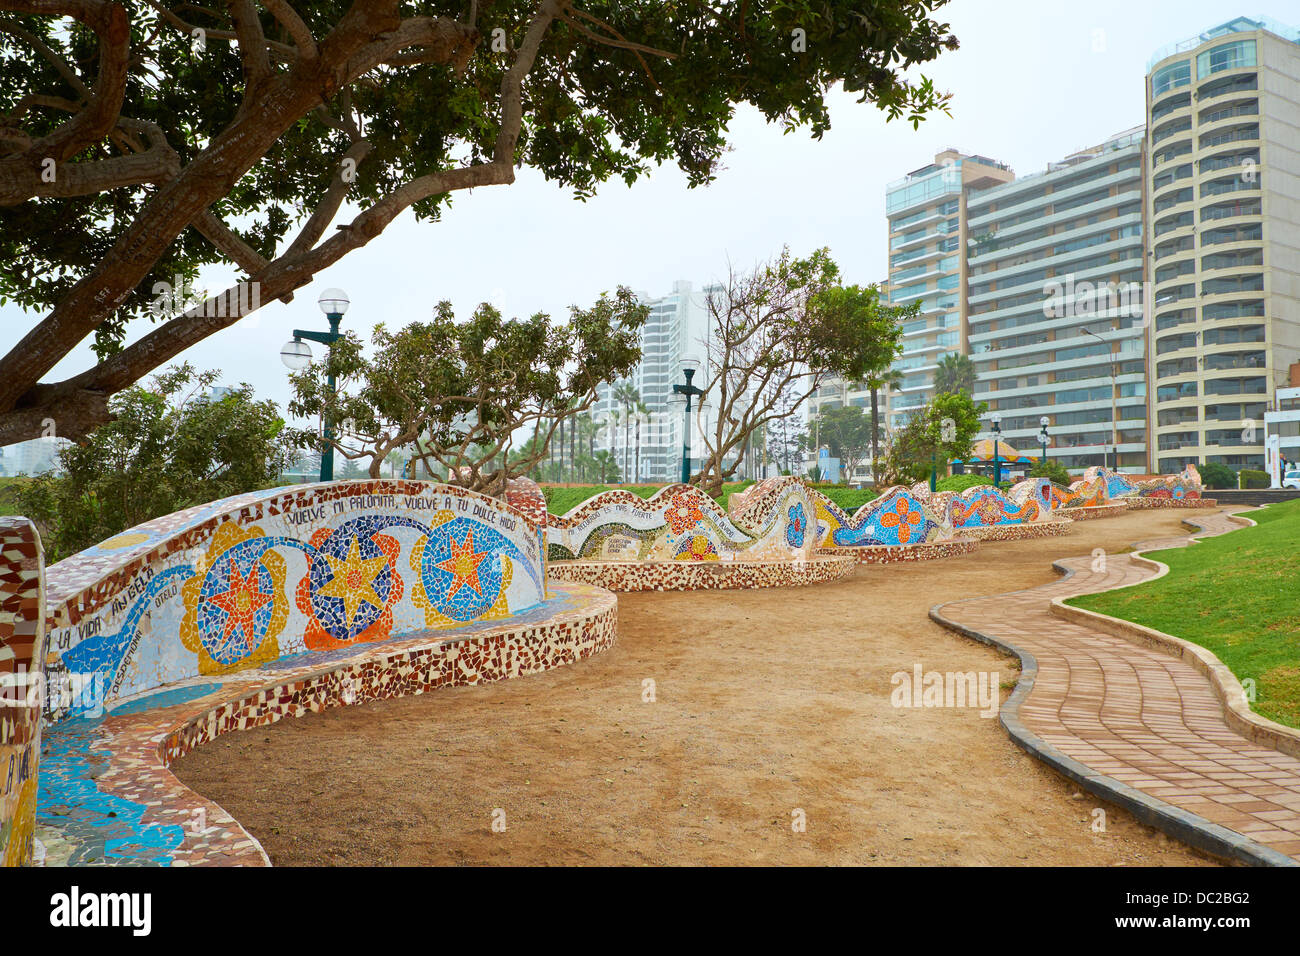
x: 1114, y: 387
x: 689, y: 366
x: 296, y: 356
x: 997, y: 456
x: 1042, y: 438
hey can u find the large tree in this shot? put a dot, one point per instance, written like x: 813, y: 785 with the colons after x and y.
x: 455, y: 394
x: 943, y: 430
x: 775, y: 334
x: 143, y: 139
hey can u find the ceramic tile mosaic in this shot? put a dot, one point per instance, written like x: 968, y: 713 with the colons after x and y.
x: 1018, y: 532
x: 312, y: 568
x: 265, y: 606
x: 898, y: 517
x: 681, y: 523
x: 894, y: 554
x: 22, y: 616
x: 701, y: 576
x: 107, y: 797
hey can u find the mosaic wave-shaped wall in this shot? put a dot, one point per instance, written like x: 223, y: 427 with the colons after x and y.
x: 238, y: 583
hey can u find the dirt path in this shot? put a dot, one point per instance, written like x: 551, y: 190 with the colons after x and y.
x: 765, y: 702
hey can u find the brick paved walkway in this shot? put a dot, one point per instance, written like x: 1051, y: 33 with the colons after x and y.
x: 1127, y: 718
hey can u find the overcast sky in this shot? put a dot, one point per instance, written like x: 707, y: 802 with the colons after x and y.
x: 1032, y: 82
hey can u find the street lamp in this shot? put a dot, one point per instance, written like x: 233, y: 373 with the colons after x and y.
x: 1114, y: 387
x: 1042, y: 438
x: 997, y: 452
x: 296, y: 355
x: 690, y: 365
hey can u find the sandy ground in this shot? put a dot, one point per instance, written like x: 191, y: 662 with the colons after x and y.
x: 765, y: 702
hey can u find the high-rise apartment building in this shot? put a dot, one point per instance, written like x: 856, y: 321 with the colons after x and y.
x: 676, y: 327
x: 1223, y: 115
x: 926, y: 210
x: 1054, y: 305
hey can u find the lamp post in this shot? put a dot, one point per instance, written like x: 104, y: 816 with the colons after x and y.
x: 1042, y: 438
x: 296, y: 356
x: 689, y: 366
x: 997, y: 456
x: 1114, y: 387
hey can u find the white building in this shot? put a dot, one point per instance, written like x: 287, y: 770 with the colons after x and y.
x: 1055, y: 310
x: 33, y: 457
x: 677, y: 327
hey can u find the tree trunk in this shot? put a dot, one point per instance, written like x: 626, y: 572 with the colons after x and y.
x: 875, y: 433
x: 638, y: 449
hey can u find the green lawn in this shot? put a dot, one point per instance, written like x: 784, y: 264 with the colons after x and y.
x: 9, y: 495
x: 1237, y: 595
x: 562, y: 500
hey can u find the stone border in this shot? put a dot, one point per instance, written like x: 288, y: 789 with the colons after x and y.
x: 1137, y: 503
x: 1227, y: 687
x: 1018, y: 532
x: 1093, y: 512
x: 627, y: 576
x: 1190, y: 828
x: 142, y: 745
x: 897, y: 554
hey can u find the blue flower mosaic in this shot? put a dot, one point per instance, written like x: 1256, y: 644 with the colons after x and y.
x: 463, y: 567
x: 796, y: 525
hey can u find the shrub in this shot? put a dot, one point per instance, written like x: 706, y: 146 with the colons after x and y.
x: 1218, y: 475
x: 1051, y: 469
x: 1250, y: 478
x: 961, y: 482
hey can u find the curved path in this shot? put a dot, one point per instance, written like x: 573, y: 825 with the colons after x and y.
x: 1134, y: 725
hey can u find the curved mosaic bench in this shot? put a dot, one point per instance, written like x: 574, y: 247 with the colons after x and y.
x: 22, y: 641
x: 1083, y: 500
x: 700, y: 576
x: 269, y: 605
x: 899, y: 525
x: 681, y: 539
x: 895, y: 554
x: 1183, y: 490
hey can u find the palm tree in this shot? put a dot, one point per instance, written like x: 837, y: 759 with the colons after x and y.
x: 642, y: 412
x: 626, y: 394
x: 889, y: 378
x: 615, y: 419
x: 955, y: 375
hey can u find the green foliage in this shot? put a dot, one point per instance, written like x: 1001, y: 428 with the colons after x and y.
x: 1251, y: 478
x: 592, y: 111
x: 456, y: 393
x: 170, y: 447
x: 1218, y: 475
x: 1051, y: 469
x: 955, y: 373
x: 961, y: 482
x: 562, y: 499
x: 945, y: 429
x: 849, y: 499
x: 10, y: 494
x: 846, y: 432
x: 1235, y: 595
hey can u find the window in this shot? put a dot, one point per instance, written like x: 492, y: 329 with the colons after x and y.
x: 1171, y: 77
x: 1228, y: 56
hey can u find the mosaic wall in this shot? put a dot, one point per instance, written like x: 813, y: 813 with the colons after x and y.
x: 22, y: 616
x: 1051, y: 496
x: 107, y: 797
x: 898, y: 517
x: 681, y: 523
x: 1185, y: 484
x: 243, y: 582
x: 705, y: 575
x: 983, y: 506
